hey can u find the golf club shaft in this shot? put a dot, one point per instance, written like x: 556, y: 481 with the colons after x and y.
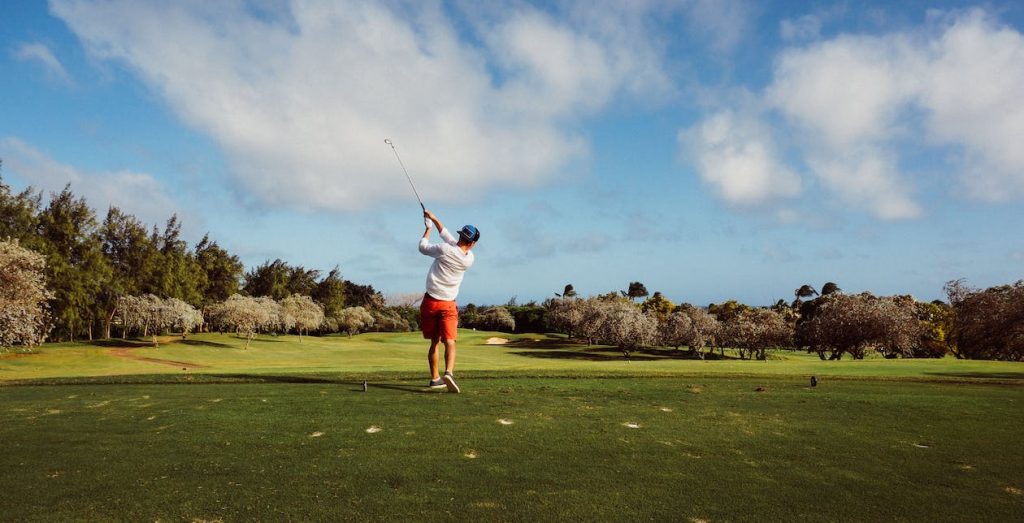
x: 407, y: 177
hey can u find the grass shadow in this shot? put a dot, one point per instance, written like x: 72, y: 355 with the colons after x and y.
x: 121, y: 344
x: 560, y: 349
x: 584, y: 355
x: 982, y: 375
x: 543, y: 344
x: 204, y: 343
x: 268, y: 338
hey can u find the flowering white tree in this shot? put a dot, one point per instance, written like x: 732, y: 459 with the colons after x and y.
x: 302, y: 313
x: 676, y: 330
x: 565, y: 314
x: 354, y: 319
x: 705, y: 329
x: 753, y: 331
x: 246, y: 315
x: 150, y: 315
x: 132, y: 315
x: 592, y: 312
x: 854, y: 323
x: 183, y: 317
x: 624, y: 325
x: 24, y: 314
x: 275, y: 315
x: 147, y: 314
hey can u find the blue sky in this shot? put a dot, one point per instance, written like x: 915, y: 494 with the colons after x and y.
x: 711, y: 149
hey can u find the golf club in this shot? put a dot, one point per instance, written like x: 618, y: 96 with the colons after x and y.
x: 394, y: 150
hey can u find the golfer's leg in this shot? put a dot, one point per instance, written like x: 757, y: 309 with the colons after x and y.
x: 449, y: 356
x: 432, y: 359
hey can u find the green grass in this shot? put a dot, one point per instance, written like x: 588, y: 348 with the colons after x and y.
x: 279, y: 432
x: 405, y: 354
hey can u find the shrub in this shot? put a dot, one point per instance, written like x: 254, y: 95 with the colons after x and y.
x: 855, y: 323
x: 564, y: 315
x: 389, y: 320
x: 497, y: 319
x: 989, y: 324
x: 753, y: 331
x: 352, y: 320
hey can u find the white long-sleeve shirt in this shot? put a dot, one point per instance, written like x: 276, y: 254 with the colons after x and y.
x: 450, y: 264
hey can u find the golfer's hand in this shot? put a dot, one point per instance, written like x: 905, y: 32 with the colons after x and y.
x: 428, y: 223
x: 430, y: 216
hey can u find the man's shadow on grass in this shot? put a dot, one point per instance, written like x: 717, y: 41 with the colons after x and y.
x: 357, y: 386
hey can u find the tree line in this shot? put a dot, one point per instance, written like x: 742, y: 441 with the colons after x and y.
x: 973, y: 324
x: 66, y: 275
x: 89, y: 265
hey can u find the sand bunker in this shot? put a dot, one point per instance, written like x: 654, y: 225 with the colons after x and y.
x: 496, y: 341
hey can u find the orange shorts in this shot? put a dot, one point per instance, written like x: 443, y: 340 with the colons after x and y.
x: 439, y: 319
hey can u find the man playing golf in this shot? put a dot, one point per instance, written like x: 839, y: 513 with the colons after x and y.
x: 439, y: 315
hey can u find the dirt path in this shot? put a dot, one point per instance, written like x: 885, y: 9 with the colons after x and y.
x: 125, y: 352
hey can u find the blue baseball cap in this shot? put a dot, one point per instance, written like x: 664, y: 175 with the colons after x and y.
x: 469, y: 233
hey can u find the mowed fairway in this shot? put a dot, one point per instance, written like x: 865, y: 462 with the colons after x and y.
x: 543, y: 431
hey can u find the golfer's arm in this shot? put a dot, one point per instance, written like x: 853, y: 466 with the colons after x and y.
x: 425, y: 246
x: 446, y: 236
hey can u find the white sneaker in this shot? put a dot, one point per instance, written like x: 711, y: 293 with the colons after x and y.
x: 449, y: 380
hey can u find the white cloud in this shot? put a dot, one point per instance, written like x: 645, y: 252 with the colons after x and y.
x: 859, y: 104
x: 557, y: 72
x: 850, y: 94
x: 136, y: 193
x: 41, y: 54
x: 973, y: 95
x: 868, y: 180
x: 807, y: 27
x: 724, y: 22
x: 301, y: 103
x: 847, y: 90
x: 737, y: 157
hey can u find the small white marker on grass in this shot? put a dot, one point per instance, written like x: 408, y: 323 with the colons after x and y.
x: 316, y: 434
x: 632, y: 425
x: 504, y: 421
x: 373, y: 429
